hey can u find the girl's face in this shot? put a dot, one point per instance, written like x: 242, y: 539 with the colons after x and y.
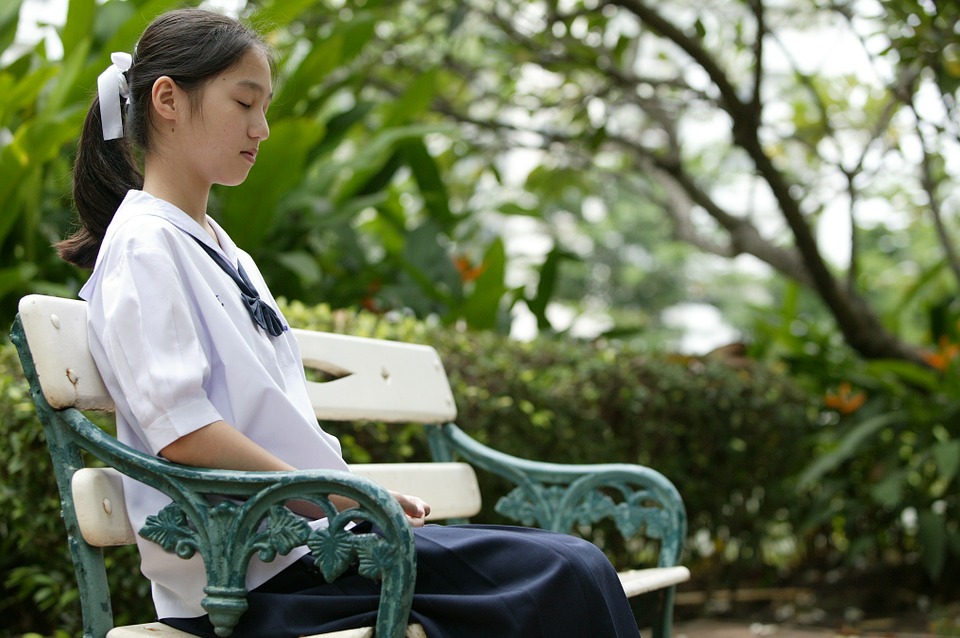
x: 225, y: 130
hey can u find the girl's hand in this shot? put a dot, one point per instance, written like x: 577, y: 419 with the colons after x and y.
x: 414, y: 507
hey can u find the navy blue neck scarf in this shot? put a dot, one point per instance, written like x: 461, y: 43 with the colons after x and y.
x: 261, y: 312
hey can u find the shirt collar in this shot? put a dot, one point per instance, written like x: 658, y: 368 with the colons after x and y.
x: 150, y: 205
x: 137, y: 203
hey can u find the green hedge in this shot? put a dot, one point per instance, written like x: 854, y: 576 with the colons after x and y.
x: 729, y: 435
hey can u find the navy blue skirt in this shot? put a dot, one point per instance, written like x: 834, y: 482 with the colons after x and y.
x: 473, y: 581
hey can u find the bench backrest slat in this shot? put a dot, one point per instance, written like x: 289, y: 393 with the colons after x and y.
x: 56, y: 330
x: 377, y: 380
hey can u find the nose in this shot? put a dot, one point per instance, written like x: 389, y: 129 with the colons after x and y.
x: 260, y: 130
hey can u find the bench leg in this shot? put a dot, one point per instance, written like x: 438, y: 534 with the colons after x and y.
x: 663, y: 619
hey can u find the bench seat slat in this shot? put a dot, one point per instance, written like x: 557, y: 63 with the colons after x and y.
x: 450, y: 488
x: 641, y: 581
x: 159, y: 630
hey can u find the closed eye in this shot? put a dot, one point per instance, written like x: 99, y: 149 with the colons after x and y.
x: 244, y: 104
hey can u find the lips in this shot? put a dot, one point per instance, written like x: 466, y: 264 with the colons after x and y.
x: 251, y: 155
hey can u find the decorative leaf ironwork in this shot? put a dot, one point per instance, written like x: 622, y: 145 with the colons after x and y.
x: 376, y: 556
x: 334, y: 550
x: 284, y: 531
x: 594, y: 506
x: 520, y: 506
x: 631, y: 515
x: 168, y: 529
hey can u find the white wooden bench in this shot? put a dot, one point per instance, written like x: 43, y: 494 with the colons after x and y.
x: 373, y: 380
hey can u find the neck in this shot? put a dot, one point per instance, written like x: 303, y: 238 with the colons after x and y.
x: 164, y: 180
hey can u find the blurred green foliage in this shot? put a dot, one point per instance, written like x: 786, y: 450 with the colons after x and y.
x: 885, y: 458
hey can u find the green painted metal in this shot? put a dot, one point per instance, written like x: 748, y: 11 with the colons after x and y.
x: 559, y: 497
x: 228, y: 533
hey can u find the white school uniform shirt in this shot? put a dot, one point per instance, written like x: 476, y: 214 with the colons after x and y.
x: 178, y: 350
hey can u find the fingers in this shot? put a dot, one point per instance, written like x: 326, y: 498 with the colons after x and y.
x: 414, y: 507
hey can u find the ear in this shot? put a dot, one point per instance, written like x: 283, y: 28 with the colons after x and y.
x: 167, y: 99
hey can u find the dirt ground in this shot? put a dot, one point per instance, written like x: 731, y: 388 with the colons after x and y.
x: 708, y: 628
x: 802, y: 613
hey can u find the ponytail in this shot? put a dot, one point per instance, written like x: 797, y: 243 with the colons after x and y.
x: 103, y: 172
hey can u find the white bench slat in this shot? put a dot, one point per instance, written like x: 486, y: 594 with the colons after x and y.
x: 101, y: 512
x: 378, y: 380
x: 56, y: 329
x: 450, y: 488
x: 159, y: 630
x: 641, y: 581
x: 385, y: 380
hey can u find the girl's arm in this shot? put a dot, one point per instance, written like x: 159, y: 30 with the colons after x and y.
x: 221, y: 446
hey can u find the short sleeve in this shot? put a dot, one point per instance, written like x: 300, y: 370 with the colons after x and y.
x: 154, y: 345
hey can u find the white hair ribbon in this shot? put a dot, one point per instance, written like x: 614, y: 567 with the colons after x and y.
x: 111, y: 86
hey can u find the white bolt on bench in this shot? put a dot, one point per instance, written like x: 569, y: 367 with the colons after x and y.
x: 375, y: 380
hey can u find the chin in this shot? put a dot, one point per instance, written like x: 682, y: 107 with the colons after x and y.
x: 234, y: 181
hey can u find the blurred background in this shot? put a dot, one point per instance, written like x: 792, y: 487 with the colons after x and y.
x: 717, y: 237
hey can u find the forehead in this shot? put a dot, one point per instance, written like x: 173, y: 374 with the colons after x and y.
x: 251, y: 71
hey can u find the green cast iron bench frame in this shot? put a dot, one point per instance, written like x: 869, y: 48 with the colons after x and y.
x: 373, y: 380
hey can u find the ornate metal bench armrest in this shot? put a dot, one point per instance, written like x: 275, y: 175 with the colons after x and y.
x: 557, y: 496
x: 254, y: 519
x: 230, y: 533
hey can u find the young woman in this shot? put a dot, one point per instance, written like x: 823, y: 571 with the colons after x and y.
x: 204, y: 371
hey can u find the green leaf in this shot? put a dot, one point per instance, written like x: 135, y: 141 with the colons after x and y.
x: 482, y: 307
x: 358, y: 32
x: 904, y: 371
x: 9, y: 21
x: 303, y: 265
x: 425, y: 260
x: 35, y: 143
x: 947, y: 455
x: 339, y: 125
x: 933, y: 542
x: 375, y: 155
x: 325, y: 56
x: 274, y: 16
x: 24, y: 93
x: 16, y: 277
x: 545, y: 287
x: 888, y: 492
x: 66, y: 89
x: 847, y: 448
x: 78, y: 26
x: 285, y: 531
x: 414, y: 102
x: 512, y: 208
x: 430, y: 183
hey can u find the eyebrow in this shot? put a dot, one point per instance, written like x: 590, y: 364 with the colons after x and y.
x: 256, y: 86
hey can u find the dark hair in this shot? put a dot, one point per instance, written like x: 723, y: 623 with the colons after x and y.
x: 190, y: 46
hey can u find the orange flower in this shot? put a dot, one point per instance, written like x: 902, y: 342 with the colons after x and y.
x: 845, y: 400
x: 468, y: 272
x: 946, y: 353
x: 370, y: 301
